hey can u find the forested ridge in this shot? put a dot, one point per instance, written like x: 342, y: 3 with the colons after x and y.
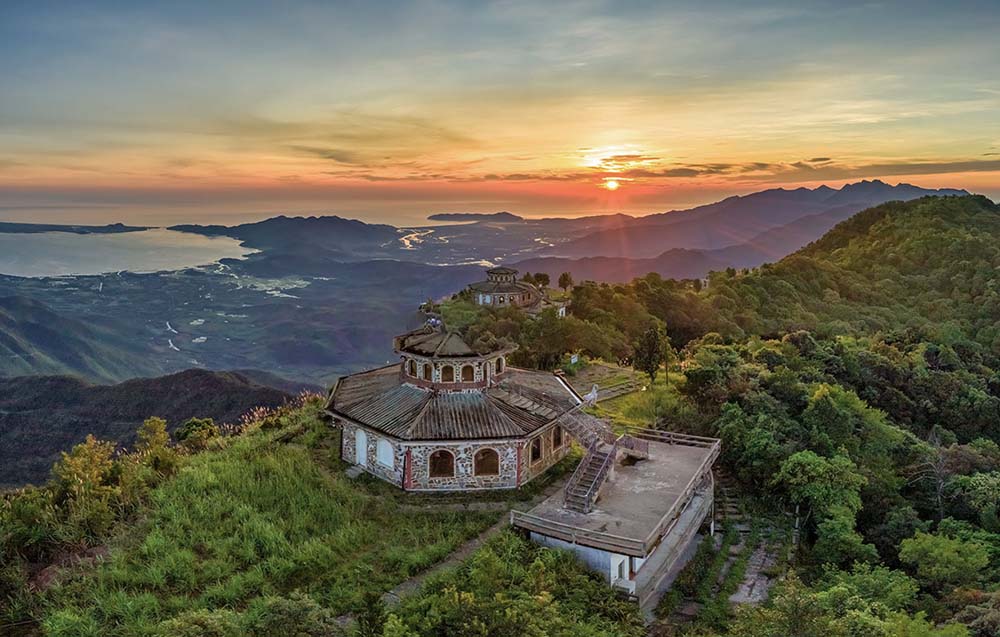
x: 854, y: 384
x: 855, y: 381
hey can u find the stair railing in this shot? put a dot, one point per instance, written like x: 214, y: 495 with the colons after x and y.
x: 580, y: 469
x: 598, y: 480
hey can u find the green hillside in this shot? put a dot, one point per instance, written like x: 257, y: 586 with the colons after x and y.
x: 855, y: 386
x: 930, y: 263
x: 261, y: 533
x: 41, y: 416
x: 36, y: 340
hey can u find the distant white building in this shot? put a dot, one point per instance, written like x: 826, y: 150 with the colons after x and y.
x: 502, y: 289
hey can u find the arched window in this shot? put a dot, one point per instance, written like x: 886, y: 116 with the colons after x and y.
x: 500, y: 364
x: 447, y: 374
x: 426, y: 371
x: 557, y: 437
x: 513, y: 298
x: 500, y: 300
x: 442, y: 464
x: 468, y: 374
x: 536, y: 449
x: 411, y: 368
x: 486, y: 462
x: 383, y: 453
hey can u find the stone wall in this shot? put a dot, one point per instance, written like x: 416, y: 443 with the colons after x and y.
x: 464, y: 477
x: 418, y: 472
x: 550, y: 454
x: 394, y: 473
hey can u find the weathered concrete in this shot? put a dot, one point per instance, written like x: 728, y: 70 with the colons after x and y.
x: 635, y: 499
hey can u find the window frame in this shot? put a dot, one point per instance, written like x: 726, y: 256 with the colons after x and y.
x: 476, y: 460
x: 385, y: 444
x: 531, y: 450
x: 430, y: 464
x: 558, y: 431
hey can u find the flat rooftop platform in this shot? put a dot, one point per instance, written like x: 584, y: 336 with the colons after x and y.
x: 636, y: 505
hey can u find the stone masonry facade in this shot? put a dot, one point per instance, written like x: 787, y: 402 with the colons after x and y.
x: 410, y: 468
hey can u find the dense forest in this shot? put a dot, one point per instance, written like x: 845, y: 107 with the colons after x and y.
x: 857, y: 380
x: 855, y: 383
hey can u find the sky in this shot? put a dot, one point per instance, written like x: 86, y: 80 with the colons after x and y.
x: 223, y: 112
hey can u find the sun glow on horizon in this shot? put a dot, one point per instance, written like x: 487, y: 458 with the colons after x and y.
x: 611, y: 184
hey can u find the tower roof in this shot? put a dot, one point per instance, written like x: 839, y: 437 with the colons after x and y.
x: 438, y: 342
x: 501, y: 269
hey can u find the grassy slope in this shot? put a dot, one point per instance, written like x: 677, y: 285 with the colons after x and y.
x: 40, y: 416
x: 253, y: 519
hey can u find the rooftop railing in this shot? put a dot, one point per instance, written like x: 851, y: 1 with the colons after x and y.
x: 639, y: 547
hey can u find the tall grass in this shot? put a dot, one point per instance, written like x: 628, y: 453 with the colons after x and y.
x: 250, y: 520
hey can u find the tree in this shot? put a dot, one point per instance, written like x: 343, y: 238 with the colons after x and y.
x: 565, y: 281
x: 649, y: 353
x: 794, y: 612
x: 528, y: 278
x: 152, y: 434
x: 894, y: 590
x: 942, y: 562
x: 821, y: 483
x: 542, y: 280
x: 838, y: 543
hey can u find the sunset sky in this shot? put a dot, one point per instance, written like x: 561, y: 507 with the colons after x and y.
x: 224, y: 112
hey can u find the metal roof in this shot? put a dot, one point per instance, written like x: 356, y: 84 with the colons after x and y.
x: 521, y: 403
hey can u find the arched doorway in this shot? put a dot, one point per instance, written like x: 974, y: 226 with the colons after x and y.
x: 361, y: 448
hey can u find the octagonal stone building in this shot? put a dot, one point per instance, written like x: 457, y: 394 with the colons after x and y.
x: 449, y: 418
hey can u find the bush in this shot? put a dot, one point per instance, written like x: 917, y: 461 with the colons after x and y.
x: 196, y: 432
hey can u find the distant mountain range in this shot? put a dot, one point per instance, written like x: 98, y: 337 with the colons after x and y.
x: 324, y: 295
x: 31, y: 228
x: 738, y: 220
x: 496, y: 217
x: 332, y: 235
x: 736, y: 232
x: 43, y: 415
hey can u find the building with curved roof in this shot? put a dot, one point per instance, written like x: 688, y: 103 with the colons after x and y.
x: 501, y: 288
x: 449, y: 417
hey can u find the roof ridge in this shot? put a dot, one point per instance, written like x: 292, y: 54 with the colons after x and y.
x: 420, y: 414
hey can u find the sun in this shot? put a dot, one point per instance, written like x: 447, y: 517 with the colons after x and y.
x: 611, y: 184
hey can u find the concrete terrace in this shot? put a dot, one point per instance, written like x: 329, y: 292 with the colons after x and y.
x: 636, y: 506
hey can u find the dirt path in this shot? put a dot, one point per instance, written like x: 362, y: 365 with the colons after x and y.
x: 411, y: 586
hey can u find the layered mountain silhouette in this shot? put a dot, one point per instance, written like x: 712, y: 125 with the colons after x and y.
x: 739, y: 220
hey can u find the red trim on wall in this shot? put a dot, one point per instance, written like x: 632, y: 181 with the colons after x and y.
x: 407, y: 470
x: 518, y: 483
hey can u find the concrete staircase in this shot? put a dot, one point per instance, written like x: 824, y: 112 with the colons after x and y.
x: 602, y: 446
x: 583, y: 487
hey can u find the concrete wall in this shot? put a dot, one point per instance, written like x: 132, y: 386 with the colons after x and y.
x: 604, y: 563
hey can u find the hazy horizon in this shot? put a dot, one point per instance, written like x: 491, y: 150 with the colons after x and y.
x: 159, y: 217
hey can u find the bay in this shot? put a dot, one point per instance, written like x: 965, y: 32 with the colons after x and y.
x: 63, y: 253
